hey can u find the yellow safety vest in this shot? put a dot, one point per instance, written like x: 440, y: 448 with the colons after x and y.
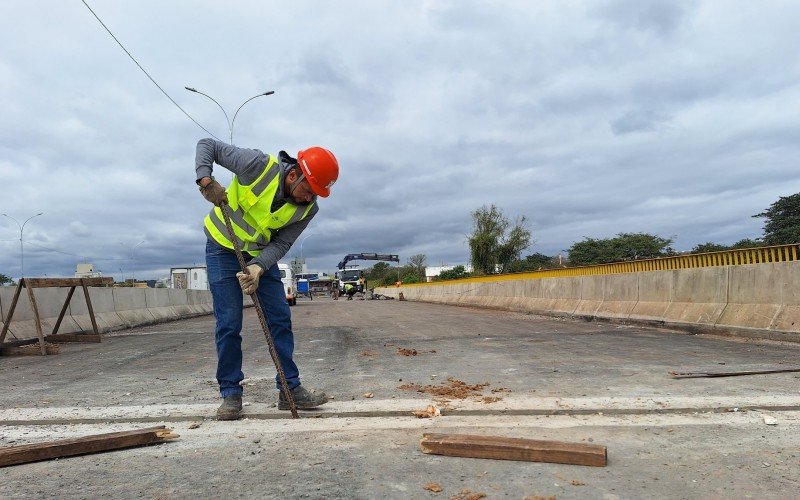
x: 252, y: 218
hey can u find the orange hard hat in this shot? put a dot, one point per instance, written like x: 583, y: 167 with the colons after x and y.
x: 320, y: 169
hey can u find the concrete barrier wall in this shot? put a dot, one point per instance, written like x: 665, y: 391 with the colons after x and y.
x: 114, y: 308
x: 756, y: 300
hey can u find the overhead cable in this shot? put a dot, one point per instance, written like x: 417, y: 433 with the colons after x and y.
x: 145, y: 72
x: 82, y: 256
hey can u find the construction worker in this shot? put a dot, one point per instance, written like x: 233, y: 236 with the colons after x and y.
x: 271, y: 201
x: 349, y: 290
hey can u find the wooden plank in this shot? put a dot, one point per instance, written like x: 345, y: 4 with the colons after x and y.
x: 65, y: 282
x: 729, y: 374
x: 63, y: 311
x: 73, y: 337
x: 11, y: 311
x: 505, y: 448
x: 29, y: 349
x: 14, y: 455
x: 37, y: 320
x: 89, y: 307
x: 17, y: 343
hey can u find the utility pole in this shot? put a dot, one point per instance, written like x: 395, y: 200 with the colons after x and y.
x: 21, y: 245
x: 230, y: 122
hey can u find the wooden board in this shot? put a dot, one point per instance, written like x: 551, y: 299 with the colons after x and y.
x: 73, y: 337
x: 45, y: 282
x: 14, y: 455
x: 505, y: 448
x: 32, y: 349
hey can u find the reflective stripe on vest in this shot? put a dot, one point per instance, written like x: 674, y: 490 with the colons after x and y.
x: 251, y: 212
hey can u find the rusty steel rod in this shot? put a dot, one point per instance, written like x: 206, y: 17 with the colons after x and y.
x: 272, y: 351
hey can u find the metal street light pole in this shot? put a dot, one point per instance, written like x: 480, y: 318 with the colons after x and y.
x: 133, y: 261
x: 302, y: 260
x: 230, y: 122
x: 21, y: 246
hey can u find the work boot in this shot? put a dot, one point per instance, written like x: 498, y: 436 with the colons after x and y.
x: 303, y: 399
x: 231, y: 408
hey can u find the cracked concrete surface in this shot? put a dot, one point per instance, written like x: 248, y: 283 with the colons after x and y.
x: 555, y: 379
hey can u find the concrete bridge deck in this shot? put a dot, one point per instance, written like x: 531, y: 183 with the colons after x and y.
x: 545, y: 378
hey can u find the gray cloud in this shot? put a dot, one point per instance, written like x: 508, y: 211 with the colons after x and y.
x: 661, y: 18
x: 637, y: 121
x: 675, y: 118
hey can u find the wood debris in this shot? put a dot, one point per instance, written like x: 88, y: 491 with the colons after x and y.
x: 434, y: 487
x: 468, y: 495
x: 14, y: 455
x: 429, y: 412
x: 505, y: 448
x: 451, y: 389
x: 29, y: 350
x: 406, y: 352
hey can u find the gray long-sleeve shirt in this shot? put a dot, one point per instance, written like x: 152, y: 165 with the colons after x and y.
x: 248, y: 164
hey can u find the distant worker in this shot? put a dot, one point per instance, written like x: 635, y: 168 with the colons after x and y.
x: 349, y: 290
x: 272, y: 200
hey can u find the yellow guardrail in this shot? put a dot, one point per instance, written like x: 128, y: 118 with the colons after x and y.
x: 779, y: 253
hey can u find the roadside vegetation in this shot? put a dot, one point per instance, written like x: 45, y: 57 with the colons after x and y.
x: 497, y: 244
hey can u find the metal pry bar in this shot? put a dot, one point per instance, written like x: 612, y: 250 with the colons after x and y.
x: 272, y: 352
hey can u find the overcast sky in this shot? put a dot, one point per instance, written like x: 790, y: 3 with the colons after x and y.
x: 676, y: 118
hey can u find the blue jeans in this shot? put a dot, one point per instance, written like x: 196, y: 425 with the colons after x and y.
x: 222, y: 267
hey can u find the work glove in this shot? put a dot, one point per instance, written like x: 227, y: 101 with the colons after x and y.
x: 249, y: 282
x: 214, y: 193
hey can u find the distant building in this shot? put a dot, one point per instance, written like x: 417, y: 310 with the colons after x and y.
x: 189, y: 278
x: 87, y: 271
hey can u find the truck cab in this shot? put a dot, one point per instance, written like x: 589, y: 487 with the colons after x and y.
x: 289, y: 285
x: 350, y: 275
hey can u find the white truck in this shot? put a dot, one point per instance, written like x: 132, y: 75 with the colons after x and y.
x: 351, y: 275
x: 289, y: 283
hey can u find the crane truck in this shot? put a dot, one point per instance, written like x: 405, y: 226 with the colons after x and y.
x: 353, y: 274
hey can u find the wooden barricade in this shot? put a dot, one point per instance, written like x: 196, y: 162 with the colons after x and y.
x: 14, y: 348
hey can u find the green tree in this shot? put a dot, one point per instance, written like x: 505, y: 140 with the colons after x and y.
x: 493, y: 247
x: 715, y: 247
x: 533, y: 262
x: 411, y: 276
x: 708, y: 247
x: 747, y: 243
x: 5, y: 280
x: 453, y: 274
x: 378, y: 272
x: 623, y: 247
x: 782, y: 224
x: 416, y: 263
